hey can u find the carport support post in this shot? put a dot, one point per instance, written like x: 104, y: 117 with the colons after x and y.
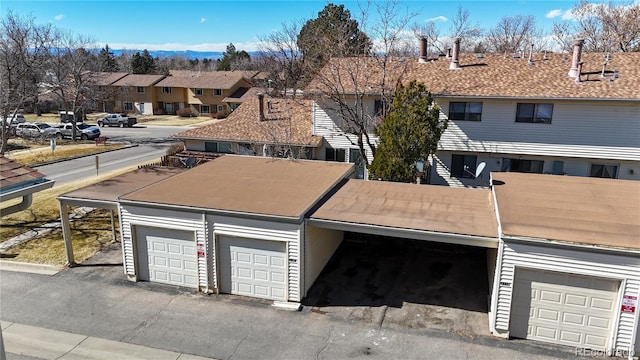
x: 66, y: 233
x: 113, y: 226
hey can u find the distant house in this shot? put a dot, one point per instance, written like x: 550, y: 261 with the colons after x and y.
x: 203, y: 91
x: 137, y: 93
x: 570, y: 114
x: 261, y: 126
x: 104, y: 91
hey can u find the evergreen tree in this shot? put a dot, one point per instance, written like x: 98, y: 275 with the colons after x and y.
x: 409, y: 133
x: 143, y: 63
x: 107, y: 61
x: 233, y: 59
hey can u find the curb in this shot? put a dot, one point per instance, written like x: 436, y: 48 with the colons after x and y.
x: 81, y: 156
x: 16, y: 266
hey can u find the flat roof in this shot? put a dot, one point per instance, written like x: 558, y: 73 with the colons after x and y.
x: 569, y: 208
x: 409, y: 206
x: 111, y: 189
x: 248, y: 184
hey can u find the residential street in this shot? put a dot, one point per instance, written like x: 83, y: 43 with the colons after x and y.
x: 96, y: 300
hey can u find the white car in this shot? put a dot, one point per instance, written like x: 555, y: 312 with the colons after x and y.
x: 83, y: 131
x: 37, y: 130
x: 16, y: 119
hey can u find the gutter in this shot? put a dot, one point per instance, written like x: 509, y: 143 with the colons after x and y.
x: 562, y: 244
x: 26, y: 194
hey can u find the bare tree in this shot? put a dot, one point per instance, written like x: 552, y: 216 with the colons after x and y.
x: 69, y: 76
x: 24, y: 47
x: 562, y: 35
x: 357, y: 92
x: 608, y: 27
x: 430, y: 32
x: 280, y: 56
x: 512, y: 34
x: 462, y: 27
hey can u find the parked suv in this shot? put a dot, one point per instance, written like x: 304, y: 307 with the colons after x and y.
x: 17, y: 119
x: 37, y: 130
x: 83, y: 131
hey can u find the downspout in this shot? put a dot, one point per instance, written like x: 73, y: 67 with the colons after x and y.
x: 26, y: 202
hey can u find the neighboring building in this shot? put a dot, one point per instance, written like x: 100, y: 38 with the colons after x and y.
x: 520, y: 113
x: 203, y: 91
x: 262, y: 126
x: 104, y: 90
x: 137, y: 93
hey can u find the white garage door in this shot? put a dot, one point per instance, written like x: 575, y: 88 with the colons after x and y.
x: 167, y: 256
x: 252, y: 267
x: 563, y: 308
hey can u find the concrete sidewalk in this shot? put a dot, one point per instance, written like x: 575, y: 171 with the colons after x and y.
x: 39, y: 343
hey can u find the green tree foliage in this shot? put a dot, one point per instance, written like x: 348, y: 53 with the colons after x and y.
x: 332, y: 33
x: 143, y: 63
x: 233, y: 59
x: 409, y: 133
x: 107, y: 61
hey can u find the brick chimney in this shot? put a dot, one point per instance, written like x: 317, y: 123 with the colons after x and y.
x: 261, y: 105
x: 423, y: 50
x: 455, y: 59
x: 577, y: 54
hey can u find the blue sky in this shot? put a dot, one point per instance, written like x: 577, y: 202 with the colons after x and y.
x: 209, y: 25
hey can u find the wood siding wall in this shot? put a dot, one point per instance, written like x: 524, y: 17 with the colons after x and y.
x: 624, y: 268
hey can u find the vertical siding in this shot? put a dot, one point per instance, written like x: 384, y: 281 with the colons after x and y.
x: 607, y: 130
x: 626, y: 268
x: 267, y: 230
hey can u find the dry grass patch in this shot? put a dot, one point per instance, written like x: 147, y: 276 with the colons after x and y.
x: 88, y: 235
x: 40, y: 155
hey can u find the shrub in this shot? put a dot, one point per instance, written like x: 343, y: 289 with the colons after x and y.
x: 158, y: 111
x: 175, y: 148
x: 185, y: 112
x: 220, y: 114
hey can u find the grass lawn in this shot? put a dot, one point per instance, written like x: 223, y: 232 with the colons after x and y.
x: 39, y: 154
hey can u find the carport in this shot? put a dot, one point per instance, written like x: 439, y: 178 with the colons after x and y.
x: 414, y: 244
x: 104, y: 195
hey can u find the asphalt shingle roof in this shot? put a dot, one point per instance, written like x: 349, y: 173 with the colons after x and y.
x: 204, y: 79
x: 138, y: 80
x: 13, y: 174
x: 287, y: 121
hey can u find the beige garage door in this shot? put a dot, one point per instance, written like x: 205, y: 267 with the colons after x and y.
x: 167, y: 256
x: 563, y: 308
x: 252, y: 267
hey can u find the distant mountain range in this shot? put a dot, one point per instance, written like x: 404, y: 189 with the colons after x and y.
x: 189, y: 54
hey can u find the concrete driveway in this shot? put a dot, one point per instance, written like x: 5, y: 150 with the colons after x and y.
x: 405, y: 283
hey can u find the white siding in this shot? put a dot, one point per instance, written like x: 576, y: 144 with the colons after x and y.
x: 320, y: 246
x: 131, y: 216
x: 580, y: 129
x: 266, y: 230
x: 194, y: 145
x: 581, y: 262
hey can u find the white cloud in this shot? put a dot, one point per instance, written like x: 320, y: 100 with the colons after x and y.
x: 553, y: 13
x: 437, y: 18
x: 217, y: 47
x: 568, y: 15
x: 59, y: 17
x: 202, y: 20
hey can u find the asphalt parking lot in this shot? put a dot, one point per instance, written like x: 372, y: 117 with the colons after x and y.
x: 405, y: 283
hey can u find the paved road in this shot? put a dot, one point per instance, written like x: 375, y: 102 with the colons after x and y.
x: 96, y: 300
x: 142, y: 134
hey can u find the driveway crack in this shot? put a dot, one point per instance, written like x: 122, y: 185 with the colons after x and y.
x: 131, y: 334
x: 326, y: 344
x: 238, y: 346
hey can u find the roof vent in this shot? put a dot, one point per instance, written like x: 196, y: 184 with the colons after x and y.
x: 423, y: 50
x: 516, y: 56
x: 545, y: 57
x: 577, y: 54
x: 479, y: 56
x: 455, y: 61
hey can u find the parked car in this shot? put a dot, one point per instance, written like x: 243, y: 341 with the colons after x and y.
x: 14, y: 120
x: 83, y: 131
x: 37, y: 130
x: 120, y: 120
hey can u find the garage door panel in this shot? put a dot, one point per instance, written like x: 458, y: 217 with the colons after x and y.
x: 253, y: 267
x: 559, y: 312
x: 170, y: 256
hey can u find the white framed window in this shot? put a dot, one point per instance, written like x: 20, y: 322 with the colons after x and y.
x: 469, y: 111
x: 205, y: 109
x: 220, y: 108
x: 128, y: 106
x: 198, y: 91
x: 534, y: 113
x: 218, y: 147
x: 463, y: 166
x: 331, y: 154
x: 140, y: 89
x: 166, y: 90
x: 523, y: 166
x: 217, y: 92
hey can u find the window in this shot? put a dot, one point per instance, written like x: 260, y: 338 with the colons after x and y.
x: 198, y: 92
x: 140, y: 89
x: 220, y: 108
x: 470, y: 111
x: 534, y: 113
x: 217, y: 92
x: 463, y: 166
x: 377, y: 107
x: 166, y: 90
x: 523, y: 166
x: 356, y: 158
x: 604, y: 171
x: 205, y: 109
x: 128, y: 106
x: 331, y: 154
x: 218, y: 147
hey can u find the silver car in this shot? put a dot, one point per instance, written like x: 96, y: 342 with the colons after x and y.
x: 37, y: 130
